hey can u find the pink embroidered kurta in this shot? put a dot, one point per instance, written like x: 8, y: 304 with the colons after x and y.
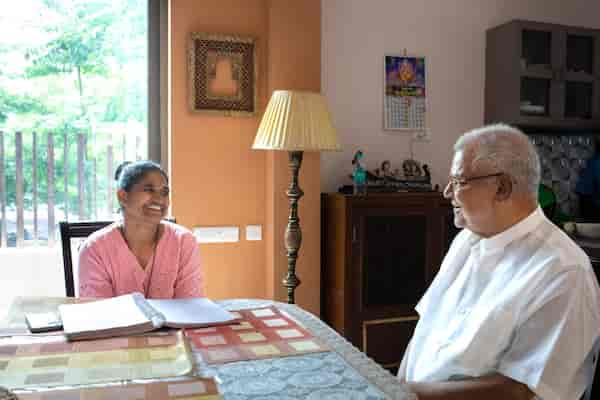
x: 107, y: 267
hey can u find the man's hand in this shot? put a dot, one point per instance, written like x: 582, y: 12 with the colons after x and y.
x: 490, y: 387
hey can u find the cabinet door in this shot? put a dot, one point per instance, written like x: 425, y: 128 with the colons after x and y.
x: 393, y: 257
x: 579, y: 76
x: 396, y: 251
x: 540, y: 59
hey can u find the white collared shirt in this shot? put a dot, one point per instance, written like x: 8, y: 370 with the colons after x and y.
x: 524, y: 303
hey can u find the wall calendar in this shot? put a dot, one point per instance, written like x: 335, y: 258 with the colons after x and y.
x: 404, y: 93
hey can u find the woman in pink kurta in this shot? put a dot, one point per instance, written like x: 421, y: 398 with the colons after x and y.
x: 142, y: 253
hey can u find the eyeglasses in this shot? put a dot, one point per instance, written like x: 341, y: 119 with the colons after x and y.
x: 163, y: 191
x: 458, y: 182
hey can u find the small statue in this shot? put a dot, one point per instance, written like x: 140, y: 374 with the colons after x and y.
x: 412, y: 169
x: 386, y: 169
x: 359, y: 174
x: 387, y: 174
x: 427, y: 174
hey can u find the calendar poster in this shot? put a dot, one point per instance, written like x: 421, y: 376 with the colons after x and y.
x: 404, y: 97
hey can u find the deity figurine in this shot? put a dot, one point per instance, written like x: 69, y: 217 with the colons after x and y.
x: 359, y: 174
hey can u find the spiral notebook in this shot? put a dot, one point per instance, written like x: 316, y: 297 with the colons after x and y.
x: 131, y: 314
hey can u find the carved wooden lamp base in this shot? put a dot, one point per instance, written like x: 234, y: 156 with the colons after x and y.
x: 293, y: 233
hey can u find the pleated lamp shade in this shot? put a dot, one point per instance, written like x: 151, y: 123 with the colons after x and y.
x: 296, y: 121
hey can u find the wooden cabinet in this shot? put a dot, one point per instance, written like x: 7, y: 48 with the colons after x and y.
x: 542, y: 75
x: 380, y: 253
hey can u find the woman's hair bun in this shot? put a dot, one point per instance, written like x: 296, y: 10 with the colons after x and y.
x: 120, y: 169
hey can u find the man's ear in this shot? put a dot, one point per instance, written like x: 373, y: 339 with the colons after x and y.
x: 505, y: 187
x: 121, y: 196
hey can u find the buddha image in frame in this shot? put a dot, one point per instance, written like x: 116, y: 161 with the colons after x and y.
x: 223, y: 75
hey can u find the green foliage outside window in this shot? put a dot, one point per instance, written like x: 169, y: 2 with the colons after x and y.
x: 71, y: 68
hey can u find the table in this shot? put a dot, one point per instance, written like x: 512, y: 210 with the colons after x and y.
x: 342, y: 373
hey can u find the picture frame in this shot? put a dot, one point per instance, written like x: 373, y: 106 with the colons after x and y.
x: 404, y: 92
x: 222, y: 74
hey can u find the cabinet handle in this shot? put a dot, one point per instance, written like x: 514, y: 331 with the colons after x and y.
x: 354, y: 239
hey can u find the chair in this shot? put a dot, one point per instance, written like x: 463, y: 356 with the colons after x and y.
x: 588, y: 394
x: 68, y: 231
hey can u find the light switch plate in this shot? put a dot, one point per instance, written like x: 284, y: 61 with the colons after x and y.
x: 217, y: 234
x: 253, y: 232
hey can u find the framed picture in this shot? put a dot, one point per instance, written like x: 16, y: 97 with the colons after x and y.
x: 222, y: 74
x: 404, y: 100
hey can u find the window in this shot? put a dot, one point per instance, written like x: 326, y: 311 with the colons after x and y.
x: 76, y: 92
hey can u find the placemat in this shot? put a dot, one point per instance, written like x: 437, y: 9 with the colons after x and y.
x: 189, y: 388
x: 49, y: 361
x: 261, y: 333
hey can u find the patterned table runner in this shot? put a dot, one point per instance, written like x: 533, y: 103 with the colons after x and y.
x: 48, y: 361
x: 299, y: 377
x: 261, y: 333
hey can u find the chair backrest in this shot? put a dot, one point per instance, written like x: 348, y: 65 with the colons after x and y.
x: 68, y: 231
x: 588, y: 395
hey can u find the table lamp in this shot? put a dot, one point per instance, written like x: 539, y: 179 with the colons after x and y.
x: 295, y: 121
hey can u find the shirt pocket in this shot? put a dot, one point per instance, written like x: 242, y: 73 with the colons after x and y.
x: 481, y: 339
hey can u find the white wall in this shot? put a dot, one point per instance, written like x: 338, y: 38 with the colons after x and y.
x: 35, y: 271
x: 451, y: 34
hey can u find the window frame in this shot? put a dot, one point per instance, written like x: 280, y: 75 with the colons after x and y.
x: 158, y: 94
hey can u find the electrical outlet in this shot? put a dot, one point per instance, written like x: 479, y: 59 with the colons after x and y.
x: 421, y: 136
x: 253, y: 232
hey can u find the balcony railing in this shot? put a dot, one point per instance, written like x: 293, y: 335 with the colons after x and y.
x: 50, y: 177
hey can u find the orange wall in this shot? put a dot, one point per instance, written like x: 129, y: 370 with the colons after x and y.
x: 217, y: 178
x: 294, y: 53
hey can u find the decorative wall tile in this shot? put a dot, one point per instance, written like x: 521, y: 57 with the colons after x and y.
x: 562, y: 159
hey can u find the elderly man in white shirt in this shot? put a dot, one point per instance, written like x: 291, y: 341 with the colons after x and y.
x: 514, y: 311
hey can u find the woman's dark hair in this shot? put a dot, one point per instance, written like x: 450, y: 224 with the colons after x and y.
x: 129, y: 173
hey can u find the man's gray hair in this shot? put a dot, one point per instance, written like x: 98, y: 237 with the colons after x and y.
x: 508, y: 150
